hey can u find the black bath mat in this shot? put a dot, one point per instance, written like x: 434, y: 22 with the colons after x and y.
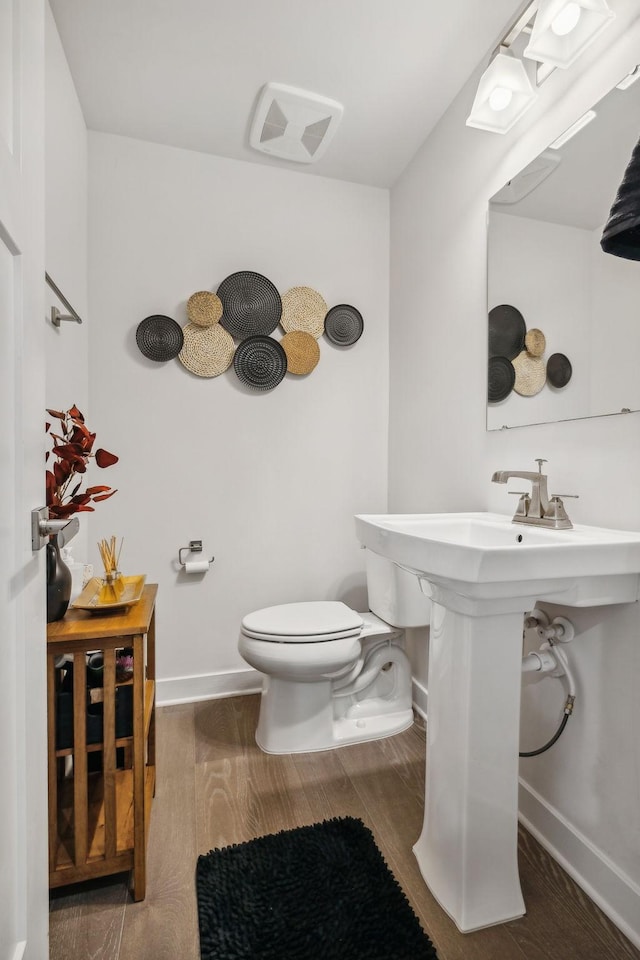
x: 322, y: 891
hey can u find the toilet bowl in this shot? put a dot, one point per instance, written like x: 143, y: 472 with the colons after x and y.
x: 333, y: 676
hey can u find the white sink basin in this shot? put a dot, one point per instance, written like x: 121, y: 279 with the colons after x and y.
x: 483, y: 572
x: 581, y: 566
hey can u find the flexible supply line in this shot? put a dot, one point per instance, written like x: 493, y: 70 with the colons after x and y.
x: 559, y: 668
x: 568, y: 710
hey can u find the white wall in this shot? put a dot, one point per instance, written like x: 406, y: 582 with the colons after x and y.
x: 582, y: 796
x: 66, y: 227
x: 270, y: 482
x: 66, y: 257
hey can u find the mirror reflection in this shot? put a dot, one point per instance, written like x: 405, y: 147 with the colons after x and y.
x: 564, y: 317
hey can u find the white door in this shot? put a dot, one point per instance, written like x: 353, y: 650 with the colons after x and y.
x: 23, y: 783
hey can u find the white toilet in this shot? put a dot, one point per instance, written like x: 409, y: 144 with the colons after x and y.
x: 334, y: 676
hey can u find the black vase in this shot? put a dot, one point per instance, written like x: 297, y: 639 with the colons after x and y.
x: 58, y: 583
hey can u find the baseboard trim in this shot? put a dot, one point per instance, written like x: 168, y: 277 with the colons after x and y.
x: 420, y: 697
x: 207, y: 686
x: 614, y: 892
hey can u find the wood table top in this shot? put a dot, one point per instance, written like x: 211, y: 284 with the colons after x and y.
x: 86, y: 625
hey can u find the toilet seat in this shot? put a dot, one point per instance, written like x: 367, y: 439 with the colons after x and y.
x: 307, y: 622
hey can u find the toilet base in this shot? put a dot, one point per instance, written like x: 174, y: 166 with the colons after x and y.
x: 298, y: 718
x: 348, y: 731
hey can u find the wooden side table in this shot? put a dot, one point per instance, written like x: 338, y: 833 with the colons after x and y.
x: 99, y: 817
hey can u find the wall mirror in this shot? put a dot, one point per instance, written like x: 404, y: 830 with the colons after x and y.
x: 564, y: 317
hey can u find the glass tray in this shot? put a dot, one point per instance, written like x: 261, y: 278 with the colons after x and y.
x: 98, y: 596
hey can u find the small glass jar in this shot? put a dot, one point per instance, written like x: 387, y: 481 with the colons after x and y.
x: 112, y: 587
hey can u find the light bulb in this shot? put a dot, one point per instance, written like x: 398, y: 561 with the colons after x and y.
x: 566, y: 20
x: 500, y: 98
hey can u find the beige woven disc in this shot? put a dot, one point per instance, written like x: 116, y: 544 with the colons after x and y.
x: 207, y: 351
x: 302, y: 351
x: 204, y: 308
x: 303, y: 308
x: 535, y: 342
x: 531, y: 374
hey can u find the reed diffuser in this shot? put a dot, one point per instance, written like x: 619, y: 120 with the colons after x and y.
x: 110, y: 553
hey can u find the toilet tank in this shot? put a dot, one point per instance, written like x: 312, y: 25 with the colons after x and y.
x: 394, y: 594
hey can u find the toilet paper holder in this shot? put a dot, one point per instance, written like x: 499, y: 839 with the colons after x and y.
x: 195, y: 546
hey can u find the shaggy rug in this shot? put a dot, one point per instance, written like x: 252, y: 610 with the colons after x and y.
x: 322, y: 892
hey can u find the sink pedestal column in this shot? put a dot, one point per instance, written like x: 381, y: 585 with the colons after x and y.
x: 467, y: 851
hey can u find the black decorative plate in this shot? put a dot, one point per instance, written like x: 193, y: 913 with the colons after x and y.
x: 159, y: 338
x: 559, y: 370
x: 507, y: 331
x: 502, y: 376
x: 251, y: 305
x: 343, y: 324
x: 260, y: 362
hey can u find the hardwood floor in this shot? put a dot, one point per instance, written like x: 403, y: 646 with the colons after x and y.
x: 215, y: 787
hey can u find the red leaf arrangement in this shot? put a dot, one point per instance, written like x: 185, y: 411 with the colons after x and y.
x: 72, y: 449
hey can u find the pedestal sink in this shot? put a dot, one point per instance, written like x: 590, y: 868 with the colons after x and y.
x: 483, y: 572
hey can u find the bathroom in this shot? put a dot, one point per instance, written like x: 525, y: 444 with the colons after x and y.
x: 396, y: 423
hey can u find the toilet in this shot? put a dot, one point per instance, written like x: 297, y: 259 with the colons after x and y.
x: 333, y: 676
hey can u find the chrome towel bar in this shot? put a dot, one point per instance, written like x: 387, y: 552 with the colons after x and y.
x: 56, y: 316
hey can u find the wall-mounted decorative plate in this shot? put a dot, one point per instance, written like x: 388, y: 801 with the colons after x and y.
x: 343, y: 324
x: 303, y: 308
x: 559, y: 370
x: 507, y: 331
x: 302, y: 352
x: 260, y: 363
x: 531, y: 374
x: 502, y: 377
x: 207, y: 351
x: 204, y: 308
x: 159, y: 338
x: 535, y: 342
x: 251, y: 305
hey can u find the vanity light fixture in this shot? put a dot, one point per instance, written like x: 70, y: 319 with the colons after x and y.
x: 559, y: 31
x: 573, y: 129
x: 563, y: 29
x: 504, y: 93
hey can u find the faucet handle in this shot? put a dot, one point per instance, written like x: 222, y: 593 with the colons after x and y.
x: 556, y: 512
x: 540, y: 461
x: 565, y: 496
x: 522, y: 510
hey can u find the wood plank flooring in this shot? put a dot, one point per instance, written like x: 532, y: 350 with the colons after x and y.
x: 215, y: 787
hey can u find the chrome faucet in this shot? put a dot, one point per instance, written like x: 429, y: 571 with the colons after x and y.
x: 537, y: 508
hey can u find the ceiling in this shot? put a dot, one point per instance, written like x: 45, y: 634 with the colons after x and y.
x: 187, y: 73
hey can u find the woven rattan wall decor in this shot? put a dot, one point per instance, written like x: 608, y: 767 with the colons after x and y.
x: 516, y: 357
x: 235, y: 329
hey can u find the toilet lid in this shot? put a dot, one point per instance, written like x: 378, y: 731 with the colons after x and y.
x: 303, y: 622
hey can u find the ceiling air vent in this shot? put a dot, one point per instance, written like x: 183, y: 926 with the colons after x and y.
x: 294, y: 124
